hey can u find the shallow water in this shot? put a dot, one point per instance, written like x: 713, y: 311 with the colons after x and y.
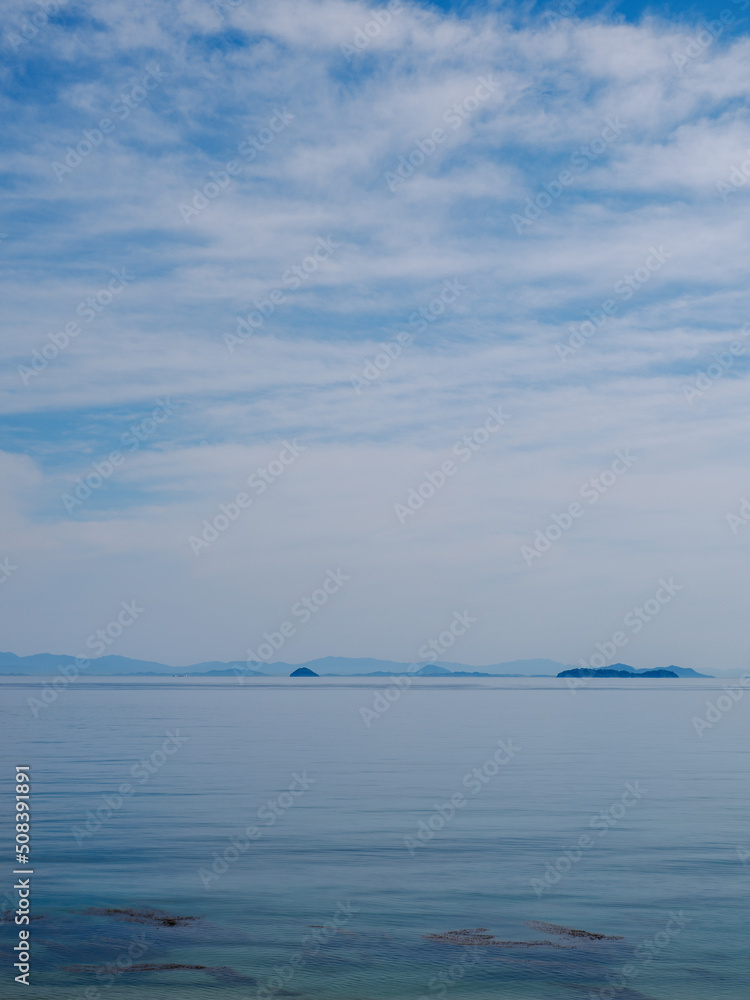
x: 344, y: 841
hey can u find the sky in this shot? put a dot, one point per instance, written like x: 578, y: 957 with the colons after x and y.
x: 327, y: 324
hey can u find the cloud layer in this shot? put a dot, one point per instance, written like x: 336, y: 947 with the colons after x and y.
x: 297, y: 225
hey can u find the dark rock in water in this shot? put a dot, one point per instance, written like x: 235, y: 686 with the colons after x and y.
x: 480, y: 937
x: 527, y: 944
x: 477, y: 937
x: 303, y: 672
x: 9, y: 917
x: 540, y: 925
x: 218, y: 970
x: 468, y: 935
x: 157, y: 918
x: 611, y: 672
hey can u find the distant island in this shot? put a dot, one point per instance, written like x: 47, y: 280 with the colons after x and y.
x: 611, y: 672
x: 303, y: 672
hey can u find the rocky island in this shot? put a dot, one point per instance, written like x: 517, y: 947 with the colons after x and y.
x: 612, y: 672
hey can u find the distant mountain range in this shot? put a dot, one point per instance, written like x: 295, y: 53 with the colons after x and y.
x: 44, y: 664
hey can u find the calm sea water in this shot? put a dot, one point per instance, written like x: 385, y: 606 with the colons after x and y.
x: 334, y: 808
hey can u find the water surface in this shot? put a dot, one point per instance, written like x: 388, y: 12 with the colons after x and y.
x: 325, y: 812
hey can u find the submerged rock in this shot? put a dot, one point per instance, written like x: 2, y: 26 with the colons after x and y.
x: 157, y: 918
x: 478, y: 937
x: 153, y: 967
x: 9, y: 917
x: 540, y: 925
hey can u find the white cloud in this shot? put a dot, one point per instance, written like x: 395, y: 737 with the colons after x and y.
x: 324, y: 175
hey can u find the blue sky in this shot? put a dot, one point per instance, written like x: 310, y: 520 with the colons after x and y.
x: 169, y: 168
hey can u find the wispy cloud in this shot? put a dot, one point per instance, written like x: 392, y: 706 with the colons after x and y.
x: 223, y: 74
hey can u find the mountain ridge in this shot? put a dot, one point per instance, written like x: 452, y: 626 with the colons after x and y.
x: 44, y: 664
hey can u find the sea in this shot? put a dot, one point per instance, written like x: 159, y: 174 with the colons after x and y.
x: 376, y: 839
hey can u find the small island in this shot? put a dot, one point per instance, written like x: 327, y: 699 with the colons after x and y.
x: 611, y: 672
x: 303, y: 672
